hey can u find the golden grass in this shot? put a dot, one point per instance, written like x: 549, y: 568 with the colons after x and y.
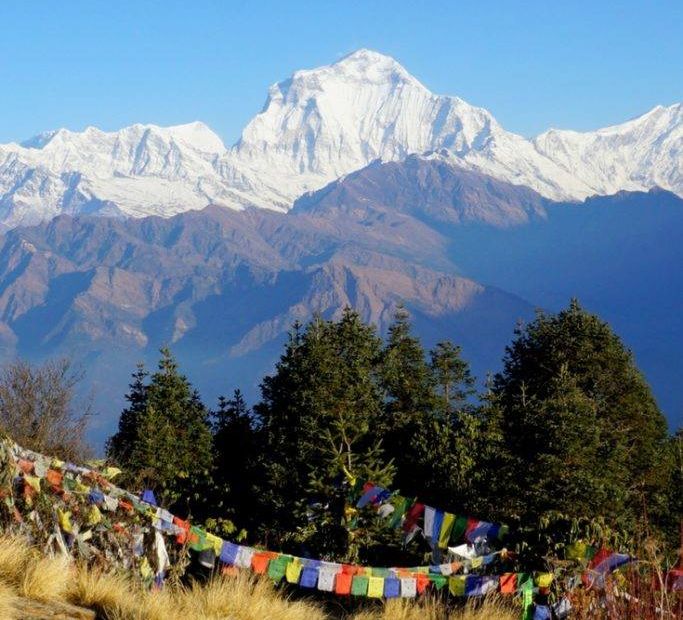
x: 492, y: 608
x: 46, y: 578
x: 25, y: 572
x: 7, y: 598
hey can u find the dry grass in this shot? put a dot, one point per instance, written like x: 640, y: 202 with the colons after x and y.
x: 47, y: 578
x: 492, y: 608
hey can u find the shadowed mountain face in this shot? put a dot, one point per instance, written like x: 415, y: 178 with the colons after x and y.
x: 468, y: 255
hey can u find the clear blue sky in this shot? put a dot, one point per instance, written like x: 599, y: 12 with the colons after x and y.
x: 537, y: 64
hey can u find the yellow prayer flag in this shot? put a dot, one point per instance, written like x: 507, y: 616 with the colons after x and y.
x: 64, y: 519
x: 446, y: 528
x: 376, y: 587
x: 293, y: 571
x: 215, y: 542
x: 456, y: 585
x: 110, y: 472
x: 477, y: 562
x: 544, y: 580
x: 94, y: 515
x: 79, y: 487
x: 33, y: 482
x: 145, y: 569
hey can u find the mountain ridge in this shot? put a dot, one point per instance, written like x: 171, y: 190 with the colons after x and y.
x: 315, y: 127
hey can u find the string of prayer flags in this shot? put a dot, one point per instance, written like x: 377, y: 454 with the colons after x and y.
x: 439, y: 527
x: 89, y: 493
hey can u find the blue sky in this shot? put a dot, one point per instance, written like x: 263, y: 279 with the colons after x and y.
x: 577, y: 64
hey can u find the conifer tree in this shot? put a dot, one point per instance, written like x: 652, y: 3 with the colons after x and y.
x: 452, y: 378
x: 164, y: 442
x: 409, y: 402
x: 319, y: 411
x: 581, y: 431
x: 237, y: 463
x: 120, y: 445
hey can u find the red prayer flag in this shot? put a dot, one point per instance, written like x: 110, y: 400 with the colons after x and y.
x: 259, y: 563
x: 508, y: 583
x: 181, y: 538
x: 412, y: 516
x: 342, y: 583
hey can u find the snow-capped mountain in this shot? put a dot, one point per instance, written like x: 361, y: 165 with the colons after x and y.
x: 636, y: 155
x: 315, y: 127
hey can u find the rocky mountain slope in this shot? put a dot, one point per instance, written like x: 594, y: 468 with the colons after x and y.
x: 316, y: 127
x: 469, y: 256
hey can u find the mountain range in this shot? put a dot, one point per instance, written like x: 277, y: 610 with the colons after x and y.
x: 315, y: 127
x: 355, y: 185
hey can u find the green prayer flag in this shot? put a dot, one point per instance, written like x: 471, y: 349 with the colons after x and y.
x: 439, y: 581
x: 359, y: 585
x: 527, y: 599
x: 400, y: 508
x: 458, y: 529
x: 277, y: 568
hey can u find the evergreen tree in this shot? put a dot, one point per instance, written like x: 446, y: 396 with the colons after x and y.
x: 318, y: 412
x: 165, y: 442
x: 452, y: 378
x: 237, y: 464
x: 581, y: 432
x: 120, y: 445
x: 409, y: 403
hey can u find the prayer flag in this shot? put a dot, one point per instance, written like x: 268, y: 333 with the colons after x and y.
x: 430, y: 514
x: 508, y: 583
x: 412, y: 516
x: 392, y: 587
x: 343, y: 583
x: 456, y: 585
x: 309, y: 577
x: 408, y: 587
x: 243, y: 558
x: 375, y: 587
x: 259, y: 562
x: 436, y: 528
x: 326, y: 578
x: 446, y: 528
x: 228, y: 552
x: 293, y: 571
x: 458, y: 530
x: 359, y: 585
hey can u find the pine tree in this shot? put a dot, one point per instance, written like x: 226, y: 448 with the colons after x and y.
x: 120, y: 445
x: 237, y: 464
x: 449, y: 443
x: 581, y: 432
x: 165, y: 442
x: 319, y: 413
x: 409, y: 403
x: 452, y: 377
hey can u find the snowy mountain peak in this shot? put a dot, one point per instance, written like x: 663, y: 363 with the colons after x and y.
x: 316, y: 126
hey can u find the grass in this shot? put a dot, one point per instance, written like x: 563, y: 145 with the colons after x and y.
x: 26, y: 572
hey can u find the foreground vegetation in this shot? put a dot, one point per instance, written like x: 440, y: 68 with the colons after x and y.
x: 566, y: 445
x: 26, y: 572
